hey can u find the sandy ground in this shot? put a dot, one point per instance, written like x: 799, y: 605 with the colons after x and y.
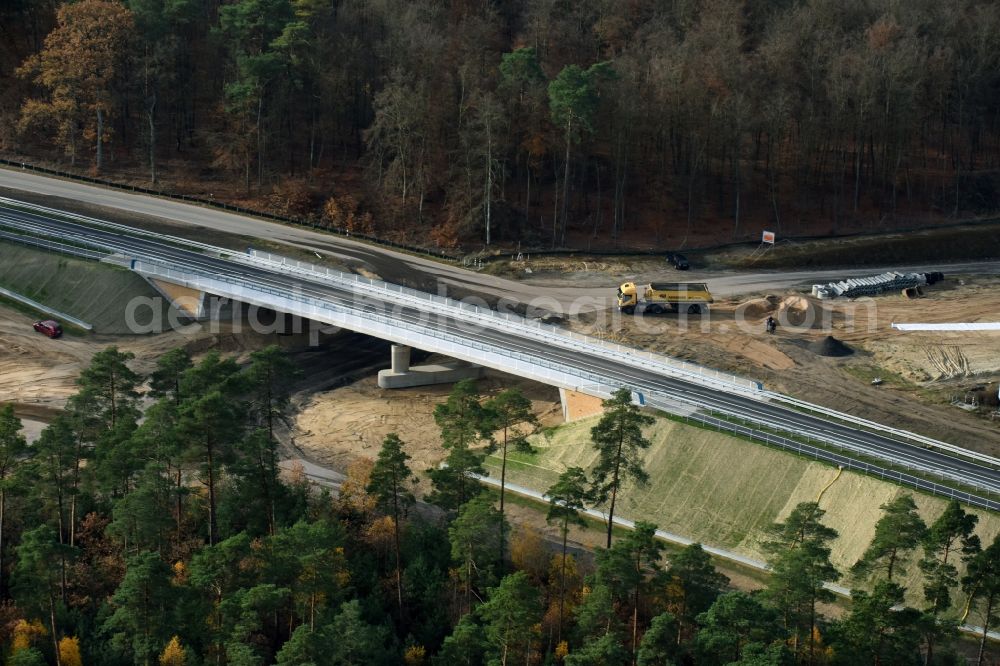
x: 38, y: 375
x: 337, y: 426
x: 921, y: 371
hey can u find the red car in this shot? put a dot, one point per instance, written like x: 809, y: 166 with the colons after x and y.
x: 48, y: 327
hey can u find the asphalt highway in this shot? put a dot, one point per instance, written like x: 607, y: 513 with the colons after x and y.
x: 640, y: 379
x: 193, y: 221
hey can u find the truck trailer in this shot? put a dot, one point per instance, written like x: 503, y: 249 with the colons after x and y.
x: 660, y: 297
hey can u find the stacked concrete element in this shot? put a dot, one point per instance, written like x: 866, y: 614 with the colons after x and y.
x: 402, y: 375
x: 891, y: 281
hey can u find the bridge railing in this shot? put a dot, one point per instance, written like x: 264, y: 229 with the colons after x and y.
x: 620, y: 353
x: 450, y: 307
x: 643, y: 358
x: 895, y: 433
x: 538, y: 367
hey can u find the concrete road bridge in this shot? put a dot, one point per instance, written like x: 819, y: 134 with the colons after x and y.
x: 189, y: 273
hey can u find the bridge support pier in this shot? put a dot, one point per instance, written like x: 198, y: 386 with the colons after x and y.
x: 576, y: 405
x: 402, y: 375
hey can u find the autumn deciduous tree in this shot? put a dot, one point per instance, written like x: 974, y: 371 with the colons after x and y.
x: 79, y: 69
x: 173, y: 654
x: 69, y: 651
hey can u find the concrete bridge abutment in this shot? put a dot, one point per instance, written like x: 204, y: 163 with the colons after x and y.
x: 576, y: 405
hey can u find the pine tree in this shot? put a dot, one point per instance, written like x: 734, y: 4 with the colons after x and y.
x: 800, y: 565
x: 143, y: 606
x: 269, y: 380
x: 659, y: 643
x: 105, y: 413
x: 877, y: 631
x: 165, y: 382
x: 982, y: 583
x: 692, y: 587
x: 511, y: 613
x: 952, y: 531
x: 466, y: 645
x: 619, y: 440
x: 566, y: 501
x: 474, y: 538
x: 388, y: 483
x: 897, y: 533
x: 736, y: 623
x: 57, y: 473
x: 211, y: 416
x: 13, y: 451
x: 631, y: 568
x: 510, y: 413
x: 39, y: 576
x: 463, y: 422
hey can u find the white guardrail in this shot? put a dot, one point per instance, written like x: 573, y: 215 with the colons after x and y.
x: 628, y: 355
x: 397, y: 330
x: 900, y: 435
x: 555, y: 374
x: 530, y: 366
x: 564, y: 338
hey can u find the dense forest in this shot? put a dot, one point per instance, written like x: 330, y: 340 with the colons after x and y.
x: 150, y: 524
x: 549, y: 123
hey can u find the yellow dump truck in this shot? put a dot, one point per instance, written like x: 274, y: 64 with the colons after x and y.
x: 659, y: 297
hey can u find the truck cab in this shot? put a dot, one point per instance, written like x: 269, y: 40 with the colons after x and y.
x: 627, y: 297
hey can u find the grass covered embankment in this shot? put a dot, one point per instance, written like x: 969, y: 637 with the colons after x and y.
x: 88, y: 290
x: 725, y: 491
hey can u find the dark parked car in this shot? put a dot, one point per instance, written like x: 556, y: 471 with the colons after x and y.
x: 49, y: 328
x: 678, y: 261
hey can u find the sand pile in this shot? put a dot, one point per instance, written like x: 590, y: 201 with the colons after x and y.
x: 800, y: 311
x: 758, y: 308
x: 830, y: 346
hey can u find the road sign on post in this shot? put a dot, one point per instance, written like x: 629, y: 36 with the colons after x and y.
x: 767, y: 237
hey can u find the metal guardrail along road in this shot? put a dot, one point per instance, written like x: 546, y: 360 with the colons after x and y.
x: 507, y: 341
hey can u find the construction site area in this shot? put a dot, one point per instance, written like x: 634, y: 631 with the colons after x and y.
x: 840, y: 353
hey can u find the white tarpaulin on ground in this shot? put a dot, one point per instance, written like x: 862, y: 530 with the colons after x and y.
x: 967, y: 326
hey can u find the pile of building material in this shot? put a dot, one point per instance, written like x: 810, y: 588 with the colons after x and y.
x: 875, y: 285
